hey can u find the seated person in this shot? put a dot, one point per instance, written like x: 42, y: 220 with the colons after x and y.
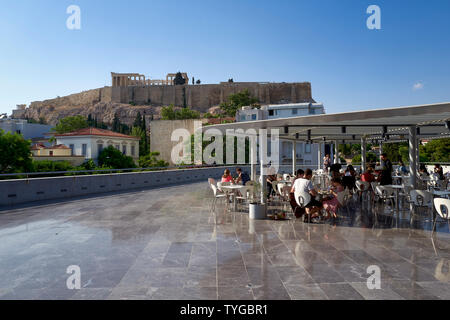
x: 303, y: 187
x: 242, y: 176
x: 227, y: 176
x: 295, y: 207
x: 331, y: 204
x: 368, y: 176
x: 349, y: 179
x: 438, y: 172
x: 402, y: 168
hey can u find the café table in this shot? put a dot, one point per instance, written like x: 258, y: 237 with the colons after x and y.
x: 397, y: 189
x: 234, y: 188
x: 441, y: 193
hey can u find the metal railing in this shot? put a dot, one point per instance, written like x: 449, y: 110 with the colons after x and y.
x: 28, y: 175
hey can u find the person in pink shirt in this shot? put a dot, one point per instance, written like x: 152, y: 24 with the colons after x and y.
x: 227, y: 176
x: 331, y: 205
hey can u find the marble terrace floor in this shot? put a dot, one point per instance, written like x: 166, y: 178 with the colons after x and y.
x: 165, y: 244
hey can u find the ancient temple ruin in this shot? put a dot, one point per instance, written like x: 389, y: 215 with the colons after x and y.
x: 136, y: 79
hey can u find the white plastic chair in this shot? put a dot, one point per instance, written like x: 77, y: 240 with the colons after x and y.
x: 217, y: 195
x: 363, y: 188
x: 421, y: 199
x: 438, y: 204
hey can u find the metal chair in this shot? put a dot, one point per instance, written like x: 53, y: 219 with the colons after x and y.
x: 217, y: 195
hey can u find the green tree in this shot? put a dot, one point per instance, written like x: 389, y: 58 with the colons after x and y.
x: 138, y: 120
x: 169, y: 113
x: 116, y: 126
x: 113, y: 158
x: 237, y: 101
x: 370, y: 158
x: 15, y: 154
x: 437, y: 150
x: 70, y: 124
x: 150, y: 160
x: 138, y: 132
x: 51, y: 166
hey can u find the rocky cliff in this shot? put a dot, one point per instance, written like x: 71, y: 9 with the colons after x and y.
x: 103, y: 103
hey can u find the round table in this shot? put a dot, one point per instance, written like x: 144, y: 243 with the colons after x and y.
x: 234, y: 188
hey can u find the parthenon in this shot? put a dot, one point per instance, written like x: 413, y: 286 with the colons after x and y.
x: 136, y: 79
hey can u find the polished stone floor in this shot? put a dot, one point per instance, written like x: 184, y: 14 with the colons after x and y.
x: 165, y: 244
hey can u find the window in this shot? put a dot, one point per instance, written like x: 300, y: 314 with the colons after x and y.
x: 84, y: 149
x: 307, y: 148
x: 243, y: 118
x: 51, y: 153
x: 270, y: 112
x: 253, y: 116
x: 18, y: 131
x: 294, y: 111
x: 118, y: 147
x: 132, y: 150
x: 124, y: 149
x: 100, y: 147
x: 72, y: 148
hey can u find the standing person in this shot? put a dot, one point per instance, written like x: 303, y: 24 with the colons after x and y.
x: 386, y: 170
x: 326, y: 162
x: 242, y: 176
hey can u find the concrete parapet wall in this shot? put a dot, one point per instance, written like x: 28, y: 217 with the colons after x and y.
x: 19, y: 191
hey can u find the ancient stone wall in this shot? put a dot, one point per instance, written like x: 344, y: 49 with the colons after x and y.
x: 203, y: 97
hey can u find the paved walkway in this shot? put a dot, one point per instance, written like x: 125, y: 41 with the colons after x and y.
x: 164, y: 244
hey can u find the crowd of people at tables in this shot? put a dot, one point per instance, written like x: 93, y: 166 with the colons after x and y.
x: 339, y: 181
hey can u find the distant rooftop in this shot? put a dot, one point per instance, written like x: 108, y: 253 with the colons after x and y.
x: 95, y: 132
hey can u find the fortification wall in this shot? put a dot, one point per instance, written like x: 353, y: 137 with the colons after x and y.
x: 203, y: 97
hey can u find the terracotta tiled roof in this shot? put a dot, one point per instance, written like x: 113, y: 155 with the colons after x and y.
x: 38, y: 146
x: 95, y: 132
x: 58, y: 146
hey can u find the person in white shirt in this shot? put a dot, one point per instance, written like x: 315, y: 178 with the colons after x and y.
x: 304, y: 188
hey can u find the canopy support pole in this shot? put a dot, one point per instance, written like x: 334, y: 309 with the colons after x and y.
x: 412, y: 155
x: 262, y: 157
x: 294, y: 157
x: 363, y: 155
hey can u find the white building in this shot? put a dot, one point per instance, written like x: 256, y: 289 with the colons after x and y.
x: 89, y: 142
x: 28, y: 130
x: 307, y: 154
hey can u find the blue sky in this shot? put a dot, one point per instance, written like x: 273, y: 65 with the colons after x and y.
x: 327, y: 43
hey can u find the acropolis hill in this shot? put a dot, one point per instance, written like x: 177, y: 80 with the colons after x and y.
x: 132, y: 92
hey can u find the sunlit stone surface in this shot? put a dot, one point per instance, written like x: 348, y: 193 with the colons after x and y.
x: 164, y: 244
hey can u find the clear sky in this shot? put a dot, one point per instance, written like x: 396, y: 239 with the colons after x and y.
x: 350, y: 67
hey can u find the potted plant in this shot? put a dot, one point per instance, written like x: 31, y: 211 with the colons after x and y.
x: 257, y: 209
